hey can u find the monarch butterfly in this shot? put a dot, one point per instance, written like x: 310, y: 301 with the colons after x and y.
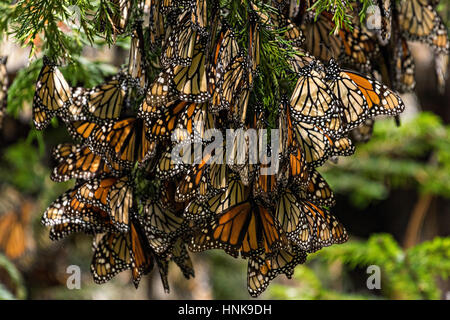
x: 293, y: 33
x: 352, y: 47
x: 161, y: 225
x: 204, y: 179
x: 168, y: 168
x: 111, y: 194
x: 312, y: 100
x: 82, y: 130
x: 52, y: 94
x: 182, y: 120
x: 214, y: 23
x: 307, y: 225
x: 163, y: 267
x: 185, y: 156
x: 199, y: 15
x: 171, y: 5
x: 265, y: 184
x: 15, y: 218
x: 234, y: 193
x: 106, y: 100
x: 233, y: 81
x: 439, y: 39
x: 225, y: 50
x: 319, y: 42
x: 181, y: 257
x: 155, y: 21
x: 267, y: 173
x: 218, y: 173
x: 247, y: 228
x: 240, y: 225
x: 123, y: 142
x: 117, y: 252
x: 290, y: 146
x: 3, y: 88
x: 193, y: 184
x: 160, y: 92
x: 194, y: 123
x: 297, y: 165
x: 288, y: 211
x: 419, y: 21
x: 404, y: 67
x: 359, y: 48
x: 263, y: 269
x: 167, y: 196
x: 417, y: 18
x: 318, y: 191
x: 77, y: 109
x: 244, y: 147
x: 318, y: 146
x: 364, y: 132
x: 238, y: 110
x: 282, y: 24
x: 136, y: 68
x: 300, y: 59
x: 379, y: 98
x: 352, y: 103
x: 191, y: 82
x: 67, y: 215
x: 179, y: 47
x: 253, y: 48
x: 77, y: 162
x: 162, y: 126
x: 118, y: 13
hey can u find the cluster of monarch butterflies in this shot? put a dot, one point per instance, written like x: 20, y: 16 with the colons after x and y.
x: 379, y: 45
x: 143, y: 206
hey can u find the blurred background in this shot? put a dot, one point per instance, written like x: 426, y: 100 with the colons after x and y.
x: 393, y: 196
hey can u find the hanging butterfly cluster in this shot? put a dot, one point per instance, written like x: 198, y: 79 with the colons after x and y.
x: 378, y: 45
x: 144, y: 206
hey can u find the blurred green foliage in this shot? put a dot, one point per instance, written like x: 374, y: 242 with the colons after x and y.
x: 414, y: 155
x: 405, y: 274
x: 15, y: 281
x: 227, y: 270
x: 21, y: 167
